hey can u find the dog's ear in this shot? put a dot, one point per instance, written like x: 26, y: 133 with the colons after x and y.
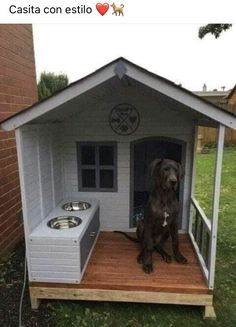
x: 154, y: 165
x: 181, y: 171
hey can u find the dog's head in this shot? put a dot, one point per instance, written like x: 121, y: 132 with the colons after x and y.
x: 166, y: 173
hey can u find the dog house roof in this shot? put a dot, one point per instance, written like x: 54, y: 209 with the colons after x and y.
x: 120, y: 71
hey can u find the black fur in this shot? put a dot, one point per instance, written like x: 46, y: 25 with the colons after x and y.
x: 152, y: 232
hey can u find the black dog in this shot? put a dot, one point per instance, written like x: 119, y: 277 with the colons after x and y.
x: 161, y: 215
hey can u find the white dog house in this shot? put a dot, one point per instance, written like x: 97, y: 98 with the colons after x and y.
x: 92, y: 142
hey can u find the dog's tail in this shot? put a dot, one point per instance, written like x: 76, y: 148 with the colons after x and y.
x: 131, y: 238
x: 121, y: 6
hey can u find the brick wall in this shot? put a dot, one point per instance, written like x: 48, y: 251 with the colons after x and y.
x: 17, y: 90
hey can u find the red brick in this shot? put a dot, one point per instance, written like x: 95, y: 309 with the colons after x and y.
x: 6, y: 135
x: 8, y: 160
x: 9, y: 211
x: 12, y: 243
x: 7, y: 143
x: 22, y: 69
x: 17, y: 91
x: 9, y: 230
x: 9, y: 204
x: 4, y: 226
x: 4, y: 153
x: 4, y: 198
x: 7, y: 179
x: 8, y: 169
x: 6, y: 221
x: 11, y: 185
x: 17, y: 233
x: 8, y: 227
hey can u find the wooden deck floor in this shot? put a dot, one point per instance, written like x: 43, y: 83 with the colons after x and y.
x: 113, y: 266
x: 113, y: 274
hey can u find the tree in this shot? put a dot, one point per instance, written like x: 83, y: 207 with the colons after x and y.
x: 215, y: 29
x: 50, y: 83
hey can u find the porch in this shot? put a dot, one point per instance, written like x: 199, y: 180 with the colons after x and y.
x: 113, y: 274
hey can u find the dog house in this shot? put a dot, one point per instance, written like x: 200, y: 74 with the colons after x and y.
x: 83, y: 158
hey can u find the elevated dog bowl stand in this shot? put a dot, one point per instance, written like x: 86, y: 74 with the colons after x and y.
x: 104, y: 280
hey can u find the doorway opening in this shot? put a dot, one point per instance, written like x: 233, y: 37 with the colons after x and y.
x: 143, y: 152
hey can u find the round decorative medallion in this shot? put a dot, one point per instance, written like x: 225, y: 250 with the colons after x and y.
x: 124, y: 119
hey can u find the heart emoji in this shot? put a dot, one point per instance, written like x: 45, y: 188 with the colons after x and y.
x: 102, y: 8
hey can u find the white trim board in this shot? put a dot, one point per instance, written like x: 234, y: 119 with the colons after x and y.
x: 121, y: 68
x: 182, y: 96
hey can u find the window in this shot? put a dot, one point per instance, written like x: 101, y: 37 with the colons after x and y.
x: 97, y: 166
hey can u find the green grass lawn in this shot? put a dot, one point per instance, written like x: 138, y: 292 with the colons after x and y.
x: 95, y: 314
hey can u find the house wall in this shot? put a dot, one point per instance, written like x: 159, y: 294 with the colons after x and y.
x: 39, y: 153
x: 17, y: 90
x: 91, y: 124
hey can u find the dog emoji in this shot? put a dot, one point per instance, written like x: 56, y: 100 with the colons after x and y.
x: 117, y: 10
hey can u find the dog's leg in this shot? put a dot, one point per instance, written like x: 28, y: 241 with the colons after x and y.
x: 140, y: 258
x: 159, y: 248
x: 165, y: 256
x: 175, y: 244
x: 147, y: 249
x: 147, y: 261
x: 145, y: 258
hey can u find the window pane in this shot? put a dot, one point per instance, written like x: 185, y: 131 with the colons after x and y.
x: 88, y: 178
x: 87, y: 155
x: 106, y: 155
x: 106, y: 178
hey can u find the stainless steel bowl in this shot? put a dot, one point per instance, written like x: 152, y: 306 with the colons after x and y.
x: 64, y: 222
x: 76, y: 206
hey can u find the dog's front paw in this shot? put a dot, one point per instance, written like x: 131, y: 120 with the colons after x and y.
x: 167, y: 258
x: 148, y: 268
x: 180, y: 258
x: 140, y: 258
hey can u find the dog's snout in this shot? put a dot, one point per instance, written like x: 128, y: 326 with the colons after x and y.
x: 173, y: 178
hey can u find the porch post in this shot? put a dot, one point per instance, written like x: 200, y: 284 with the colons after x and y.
x: 215, y: 207
x: 193, y: 179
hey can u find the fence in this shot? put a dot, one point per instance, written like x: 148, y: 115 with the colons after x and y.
x: 207, y: 135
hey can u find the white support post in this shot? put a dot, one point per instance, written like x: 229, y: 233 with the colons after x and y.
x: 215, y: 208
x: 195, y: 140
x: 20, y: 159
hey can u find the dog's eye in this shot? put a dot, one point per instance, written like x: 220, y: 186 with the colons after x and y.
x: 166, y: 168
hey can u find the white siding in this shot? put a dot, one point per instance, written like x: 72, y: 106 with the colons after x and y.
x: 45, y: 169
x: 41, y: 171
x: 56, y: 157
x: 31, y: 177
x: 56, y: 263
x: 92, y: 124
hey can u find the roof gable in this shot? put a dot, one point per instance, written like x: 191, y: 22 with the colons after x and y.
x: 120, y: 68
